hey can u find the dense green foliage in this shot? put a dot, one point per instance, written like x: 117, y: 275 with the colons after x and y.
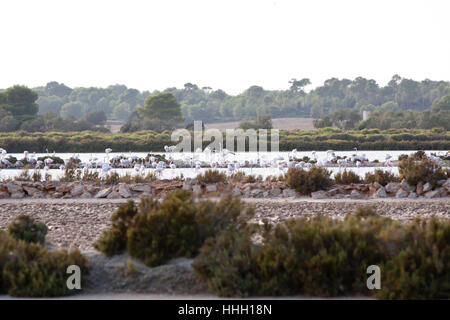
x: 18, y: 110
x: 178, y: 226
x: 146, y: 141
x: 346, y: 177
x: 307, y: 181
x: 322, y: 256
x: 28, y: 269
x: 423, y: 170
x: 203, y: 103
x: 383, y: 177
x: 25, y: 228
x: 161, y: 111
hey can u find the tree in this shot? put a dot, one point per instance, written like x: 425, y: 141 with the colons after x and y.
x: 74, y: 109
x: 20, y: 101
x: 162, y: 106
x: 95, y: 117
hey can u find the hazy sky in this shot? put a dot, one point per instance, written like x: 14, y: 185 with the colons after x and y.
x: 222, y: 44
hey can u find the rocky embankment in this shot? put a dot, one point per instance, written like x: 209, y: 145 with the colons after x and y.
x: 266, y: 189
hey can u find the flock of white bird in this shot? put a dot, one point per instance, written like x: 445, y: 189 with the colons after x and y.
x: 222, y: 158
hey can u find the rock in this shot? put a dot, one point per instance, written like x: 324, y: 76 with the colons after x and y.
x: 114, y: 195
x: 57, y: 195
x: 440, y: 183
x: 405, y: 186
x: 31, y: 191
x: 392, y: 187
x: 197, y: 188
x: 124, y: 191
x: 319, y: 194
x: 333, y: 192
x: 412, y: 195
x: 103, y: 193
x: 356, y: 195
x: 141, y: 188
x: 186, y: 186
x: 211, y: 188
x: 4, y: 194
x: 288, y: 193
x: 427, y: 187
x: 419, y: 188
x: 77, y: 191
x: 377, y: 185
x: 401, y: 193
x: 236, y: 192
x: 381, y: 193
x: 86, y: 195
x: 434, y: 193
x: 275, y: 192
x: 14, y: 188
x: 446, y: 185
x: 256, y: 193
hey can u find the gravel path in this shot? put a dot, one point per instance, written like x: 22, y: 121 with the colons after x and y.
x: 79, y: 223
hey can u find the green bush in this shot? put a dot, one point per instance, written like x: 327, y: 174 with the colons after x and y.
x: 307, y: 181
x: 424, y: 170
x: 327, y: 257
x: 347, y: 177
x: 383, y: 177
x: 26, y: 228
x: 30, y: 270
x: 177, y: 226
x: 212, y: 176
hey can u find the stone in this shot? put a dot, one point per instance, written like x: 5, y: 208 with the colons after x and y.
x: 319, y: 194
x: 333, y: 192
x: 440, y: 183
x: 114, y: 195
x: 392, y: 187
x: 381, y: 193
x: 433, y: 194
x: 211, y: 188
x: 186, y: 186
x: 31, y: 191
x: 4, y: 194
x: 14, y: 188
x: 124, y: 191
x: 57, y: 195
x: 427, y: 187
x: 419, y: 188
x: 86, y: 195
x: 356, y: 195
x: 140, y: 188
x: 412, y: 195
x: 275, y: 192
x: 377, y: 185
x: 236, y: 192
x: 197, y: 188
x: 103, y: 193
x: 288, y: 193
x: 255, y: 193
x: 401, y: 193
x: 77, y: 191
x: 405, y: 186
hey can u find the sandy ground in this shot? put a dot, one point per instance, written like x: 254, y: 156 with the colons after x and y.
x: 280, y: 123
x: 78, y: 223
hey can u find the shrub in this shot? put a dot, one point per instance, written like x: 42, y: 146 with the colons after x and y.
x: 30, y: 270
x: 178, y: 226
x: 424, y: 170
x: 383, y: 177
x: 26, y: 228
x: 212, y: 176
x: 347, y: 177
x: 307, y: 181
x: 327, y: 257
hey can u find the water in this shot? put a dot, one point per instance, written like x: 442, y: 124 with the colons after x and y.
x: 192, y: 172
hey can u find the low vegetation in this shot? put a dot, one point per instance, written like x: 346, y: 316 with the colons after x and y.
x: 155, y: 232
x: 212, y: 176
x: 383, y: 177
x: 143, y: 141
x: 415, y: 170
x: 307, y: 181
x: 347, y: 177
x: 326, y: 257
x: 27, y: 269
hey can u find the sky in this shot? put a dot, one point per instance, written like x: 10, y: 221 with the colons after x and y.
x: 227, y: 44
